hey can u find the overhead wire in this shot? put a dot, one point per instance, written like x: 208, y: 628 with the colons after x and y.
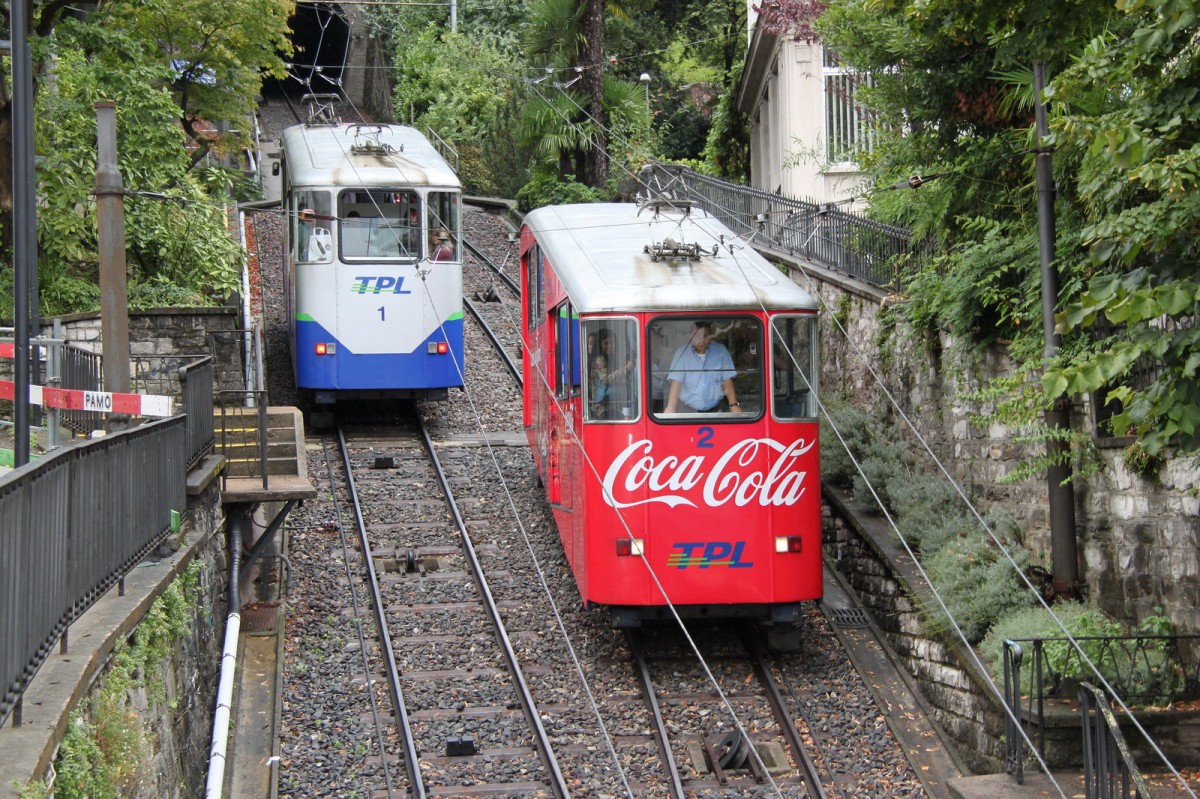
x: 481, y: 427
x: 915, y: 182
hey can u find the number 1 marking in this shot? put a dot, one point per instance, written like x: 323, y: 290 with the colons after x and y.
x: 381, y: 314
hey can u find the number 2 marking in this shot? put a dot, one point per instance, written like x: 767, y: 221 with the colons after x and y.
x: 706, y: 436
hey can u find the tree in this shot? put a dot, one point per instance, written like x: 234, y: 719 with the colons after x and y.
x: 1132, y: 109
x: 218, y: 53
x: 178, y: 243
x: 221, y: 49
x: 952, y: 89
x: 460, y: 87
x: 566, y: 37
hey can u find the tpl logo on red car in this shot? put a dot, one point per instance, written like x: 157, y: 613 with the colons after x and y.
x: 705, y: 554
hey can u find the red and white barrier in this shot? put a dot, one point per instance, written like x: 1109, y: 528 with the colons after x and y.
x: 102, y: 401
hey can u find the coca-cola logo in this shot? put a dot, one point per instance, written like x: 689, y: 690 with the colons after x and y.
x: 731, y: 477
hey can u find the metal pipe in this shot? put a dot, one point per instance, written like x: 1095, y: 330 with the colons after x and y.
x: 110, y: 235
x: 24, y: 220
x: 1061, y: 494
x: 233, y: 627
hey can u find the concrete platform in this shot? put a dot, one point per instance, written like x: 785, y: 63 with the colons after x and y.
x: 905, y: 710
x: 254, y: 755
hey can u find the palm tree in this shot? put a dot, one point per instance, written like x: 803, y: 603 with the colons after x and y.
x: 567, y: 37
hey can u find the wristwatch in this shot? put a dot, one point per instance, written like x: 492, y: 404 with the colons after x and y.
x: 735, y: 405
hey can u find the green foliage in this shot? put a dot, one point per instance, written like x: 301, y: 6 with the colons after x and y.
x: 976, y: 582
x: 1035, y: 622
x: 1146, y: 671
x: 727, y: 150
x: 955, y: 79
x: 104, y: 753
x: 463, y: 90
x: 182, y: 243
x: 854, y: 426
x: 1167, y: 410
x: 552, y: 190
x: 964, y: 562
x: 80, y: 766
x: 223, y: 52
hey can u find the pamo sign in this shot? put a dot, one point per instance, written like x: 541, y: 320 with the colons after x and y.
x: 712, y: 479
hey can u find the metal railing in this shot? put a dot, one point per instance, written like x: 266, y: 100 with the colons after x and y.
x: 245, y: 446
x: 443, y: 147
x: 836, y: 238
x: 1141, y: 669
x: 1109, y: 771
x: 72, y: 524
x: 196, y: 381
x: 81, y: 370
x: 1015, y: 728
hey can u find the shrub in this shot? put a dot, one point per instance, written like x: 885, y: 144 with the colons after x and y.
x: 885, y: 464
x: 854, y: 425
x: 930, y: 511
x: 553, y: 190
x: 1149, y: 674
x: 976, y: 583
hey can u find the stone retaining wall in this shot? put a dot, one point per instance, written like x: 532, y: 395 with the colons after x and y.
x: 162, y: 340
x: 1138, y: 534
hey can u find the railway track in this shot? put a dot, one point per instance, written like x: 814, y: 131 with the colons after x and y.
x: 446, y: 652
x: 469, y: 732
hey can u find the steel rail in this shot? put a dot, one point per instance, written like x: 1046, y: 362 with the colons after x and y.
x: 660, y: 727
x: 411, y: 761
x: 808, y: 769
x: 490, y: 264
x: 558, y: 783
x: 491, y: 334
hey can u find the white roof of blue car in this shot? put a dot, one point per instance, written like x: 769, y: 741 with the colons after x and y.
x: 344, y: 155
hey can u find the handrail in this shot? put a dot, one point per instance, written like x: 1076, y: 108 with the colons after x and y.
x: 1109, y: 770
x: 837, y: 238
x: 196, y: 380
x: 1014, y: 736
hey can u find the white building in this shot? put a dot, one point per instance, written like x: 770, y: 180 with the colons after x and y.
x: 804, y: 126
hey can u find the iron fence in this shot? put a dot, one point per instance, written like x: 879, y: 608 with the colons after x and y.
x: 836, y: 238
x: 81, y: 370
x: 1144, y: 670
x: 196, y: 382
x: 72, y: 524
x: 1109, y: 771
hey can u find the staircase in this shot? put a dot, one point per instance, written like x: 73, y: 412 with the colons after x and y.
x: 239, y: 437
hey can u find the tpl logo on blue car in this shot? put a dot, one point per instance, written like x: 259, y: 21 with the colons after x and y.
x: 379, y: 285
x: 704, y: 554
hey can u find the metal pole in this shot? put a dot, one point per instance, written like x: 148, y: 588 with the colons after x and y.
x: 1062, y: 497
x: 24, y: 220
x: 454, y: 16
x: 110, y: 218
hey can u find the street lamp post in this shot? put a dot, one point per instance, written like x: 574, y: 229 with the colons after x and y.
x: 645, y: 79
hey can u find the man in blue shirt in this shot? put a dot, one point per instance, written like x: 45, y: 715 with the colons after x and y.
x: 701, y: 375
